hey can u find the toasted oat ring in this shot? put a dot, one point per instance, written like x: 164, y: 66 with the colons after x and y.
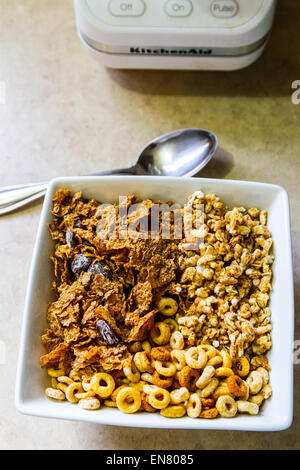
x: 177, y: 340
x: 209, y: 388
x: 207, y: 403
x: 226, y: 406
x: 179, y: 395
x: 167, y: 306
x: 172, y: 324
x: 71, y: 391
x: 242, y: 366
x: 163, y: 382
x: 110, y: 403
x: 160, y: 353
x: 196, y: 358
x: 146, y: 405
x: 210, y: 413
x: 194, y: 406
x: 255, y: 382
x: 130, y: 370
x: 236, y: 386
x: 159, y: 398
x: 129, y: 400
x: 160, y: 333
x: 83, y: 395
x: 211, y: 351
x: 215, y: 361
x: 116, y: 391
x: 188, y: 377
x: 227, y: 362
x: 173, y: 411
x: 224, y: 372
x: 104, y: 391
x: 142, y: 362
x: 56, y: 372
x: 178, y: 357
x: 205, y: 377
x: 167, y: 369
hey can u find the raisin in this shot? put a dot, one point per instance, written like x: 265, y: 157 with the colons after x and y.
x: 80, y: 263
x: 70, y: 238
x: 77, y: 222
x: 100, y: 268
x: 108, y: 335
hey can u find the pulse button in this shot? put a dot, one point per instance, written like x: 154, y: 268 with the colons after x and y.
x: 126, y: 8
x: 224, y: 8
x: 178, y: 8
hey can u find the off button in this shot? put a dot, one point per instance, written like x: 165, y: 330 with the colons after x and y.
x: 126, y: 8
x: 224, y: 8
x: 178, y: 7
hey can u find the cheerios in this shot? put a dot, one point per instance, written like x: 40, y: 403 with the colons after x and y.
x: 129, y: 400
x: 102, y: 384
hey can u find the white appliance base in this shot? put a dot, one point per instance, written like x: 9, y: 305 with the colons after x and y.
x: 126, y: 61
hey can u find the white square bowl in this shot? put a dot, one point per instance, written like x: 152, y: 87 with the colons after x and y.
x: 32, y: 380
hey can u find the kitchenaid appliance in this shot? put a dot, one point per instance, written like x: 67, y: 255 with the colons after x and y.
x: 175, y: 34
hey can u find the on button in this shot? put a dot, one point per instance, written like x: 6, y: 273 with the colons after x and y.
x: 178, y: 7
x: 126, y: 8
x: 224, y: 8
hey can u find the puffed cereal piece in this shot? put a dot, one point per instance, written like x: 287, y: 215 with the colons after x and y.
x: 264, y: 374
x: 56, y: 372
x: 161, y: 381
x: 146, y: 405
x: 194, y: 406
x: 160, y: 353
x: 236, y: 386
x: 205, y: 377
x: 91, y: 403
x: 142, y: 362
x: 167, y: 369
x: 210, y: 413
x: 147, y: 377
x: 255, y: 382
x: 227, y: 362
x: 55, y: 394
x: 130, y: 371
x: 226, y: 406
x: 129, y: 400
x: 242, y: 366
x: 116, y: 391
x: 247, y: 407
x: 179, y: 395
x: 210, y: 388
x: 178, y: 357
x: 167, y: 306
x: 159, y: 398
x: 196, y: 358
x: 173, y: 411
x: 103, y: 391
x: 177, y: 340
x: 188, y: 377
x: 110, y: 403
x: 172, y: 324
x: 71, y: 391
x: 224, y: 372
x: 160, y: 333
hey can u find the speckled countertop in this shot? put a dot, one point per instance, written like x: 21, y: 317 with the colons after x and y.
x: 65, y: 114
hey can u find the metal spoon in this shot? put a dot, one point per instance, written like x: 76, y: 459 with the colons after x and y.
x: 181, y: 153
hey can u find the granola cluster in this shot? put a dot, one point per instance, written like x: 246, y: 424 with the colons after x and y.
x: 179, y: 326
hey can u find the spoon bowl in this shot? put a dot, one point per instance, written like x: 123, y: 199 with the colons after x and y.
x: 181, y: 153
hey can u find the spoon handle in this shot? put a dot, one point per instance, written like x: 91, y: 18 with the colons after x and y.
x: 14, y: 197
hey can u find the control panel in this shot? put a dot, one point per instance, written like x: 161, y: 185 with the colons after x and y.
x: 175, y: 13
